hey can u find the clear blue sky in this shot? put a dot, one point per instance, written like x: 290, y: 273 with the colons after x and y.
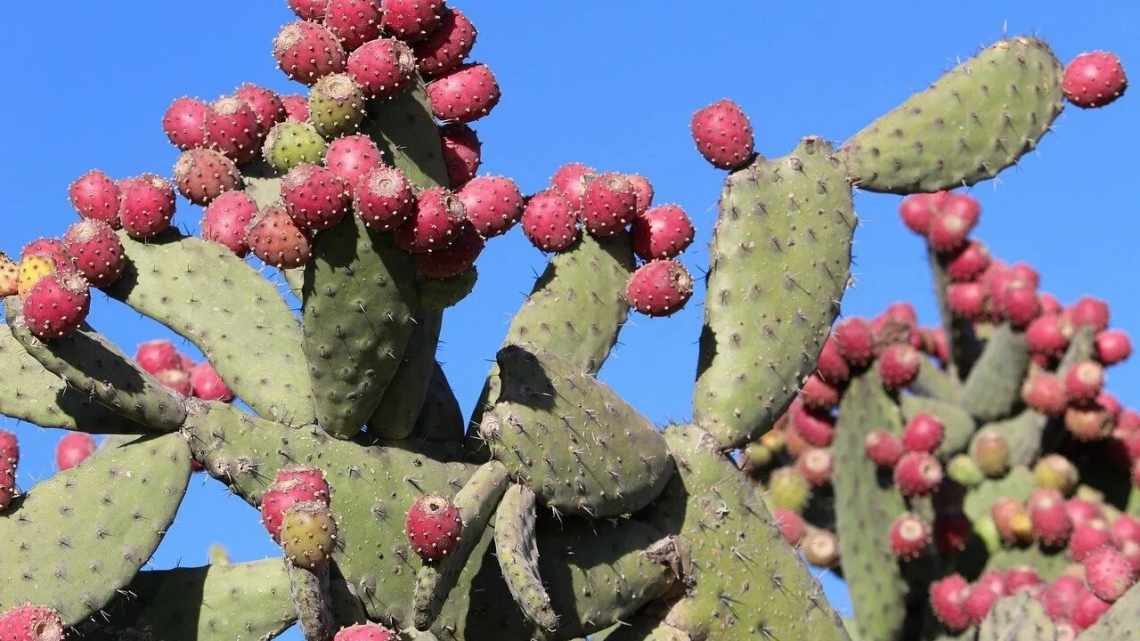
x: 608, y: 83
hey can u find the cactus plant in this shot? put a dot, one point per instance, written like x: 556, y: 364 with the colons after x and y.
x: 567, y: 512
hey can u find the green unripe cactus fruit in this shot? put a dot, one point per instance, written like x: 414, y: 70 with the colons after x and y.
x: 292, y: 143
x: 336, y: 105
x: 788, y: 489
x: 308, y: 533
x: 963, y: 470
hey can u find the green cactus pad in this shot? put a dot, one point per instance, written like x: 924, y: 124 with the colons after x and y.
x: 266, y: 192
x: 438, y: 295
x: 1018, y: 484
x: 291, y: 143
x: 404, y: 129
x: 1017, y: 618
x: 1119, y: 623
x: 358, y: 307
x: 993, y: 389
x: 1049, y: 563
x: 1023, y: 434
x: 571, y: 439
x: 440, y: 418
x: 79, y: 537
x: 1082, y: 347
x: 865, y: 509
x: 476, y: 503
x: 91, y: 364
x: 962, y: 341
x: 779, y: 264
x: 643, y: 628
x: 958, y: 425
x: 517, y: 549
x: 31, y: 393
x: 934, y: 382
x: 234, y: 315
x: 975, y: 121
x: 220, y: 602
x: 395, y: 416
x: 746, y: 582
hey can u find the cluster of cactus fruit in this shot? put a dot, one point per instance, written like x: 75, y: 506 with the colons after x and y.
x: 558, y: 511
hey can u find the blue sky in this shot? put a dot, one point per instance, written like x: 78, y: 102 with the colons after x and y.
x: 611, y: 84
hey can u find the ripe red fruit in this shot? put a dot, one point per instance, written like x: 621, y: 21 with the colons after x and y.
x: 1108, y: 573
x: 204, y: 174
x: 411, y: 20
x: 315, y: 197
x: 207, y: 385
x: 447, y: 46
x: 963, y: 205
x: 1094, y: 79
x: 610, y: 203
x: 571, y: 179
x: 266, y: 105
x: 176, y: 380
x: 883, y: 448
x: 831, y: 365
x: 146, y: 206
x: 352, y: 157
x: 232, y: 129
x: 465, y: 94
x: 662, y: 232
x: 1113, y: 346
x: 185, y: 123
x: 96, y: 196
x: 1125, y: 528
x: 493, y: 204
x: 96, y: 250
x: 1082, y: 512
x: 50, y: 248
x: 433, y: 527
x: 1088, y: 537
x: 917, y: 474
x: 723, y: 134
x: 355, y: 22
x: 792, y: 526
x: 966, y: 300
x: 1084, y: 381
x: 643, y: 190
x: 275, y: 238
x: 57, y: 305
x: 1061, y: 596
x: 550, y: 221
x: 312, y: 478
x: 947, y: 597
x: 383, y: 68
x: 1019, y: 304
x: 383, y: 199
x: 855, y: 341
x: 9, y: 459
x: 909, y: 536
x: 923, y: 433
x: 916, y: 209
x: 305, y: 51
x: 969, y: 263
x: 282, y: 495
x: 899, y: 365
x: 1051, y: 522
x: 948, y: 230
x: 309, y: 9
x: 296, y: 108
x: 1088, y: 609
x: 659, y: 288
x: 816, y: 428
x: 1089, y: 312
x: 980, y: 601
x: 1088, y: 421
x: 817, y: 394
x: 1049, y: 303
x: 73, y: 449
x: 1048, y: 334
x: 366, y: 632
x: 1020, y: 578
x: 461, y: 153
x: 226, y: 219
x: 434, y: 223
x: 156, y: 356
x: 455, y: 259
x: 815, y: 465
x: 31, y: 623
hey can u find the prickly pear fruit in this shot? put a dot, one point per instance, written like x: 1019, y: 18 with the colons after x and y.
x: 336, y: 105
x: 226, y: 218
x: 1113, y: 346
x: 818, y: 394
x: 185, y: 123
x: 281, y: 496
x: 447, y: 46
x: 9, y: 276
x: 1108, y: 573
x: 459, y: 257
x: 791, y: 525
x: 31, y: 623
x: 94, y: 195
x: 969, y: 263
x: 465, y: 94
x: 1045, y: 393
x: 571, y: 179
x: 909, y: 536
x: 550, y: 221
x: 662, y: 232
x: 816, y: 428
x: 208, y: 385
x: 916, y: 210
x: 204, y: 174
x: 990, y: 452
x: 275, y: 238
x: 383, y: 68
x: 57, y: 305
x: 883, y: 448
x: 308, y: 534
x: 898, y: 365
x: 146, y: 205
x: 923, y: 433
x: 31, y: 269
x: 947, y: 598
x: 73, y: 449
x: 411, y: 20
x: 1061, y: 596
x: 659, y: 288
x: 291, y: 143
x: 1084, y: 381
x: 723, y: 134
x: 305, y: 51
x: 1094, y: 79
x: 296, y: 108
x: 821, y: 548
x: 1051, y: 523
x: 383, y: 198
x: 434, y: 224
x: 52, y: 249
x: 643, y: 190
x: 433, y: 527
x: 352, y: 157
x: 266, y: 105
x: 1088, y: 608
x: 309, y: 9
x: 610, y: 203
x: 311, y: 477
x: 831, y: 366
x: 315, y: 197
x: 175, y: 380
x: 855, y: 341
x: 232, y: 129
x: 917, y: 474
x: 366, y: 632
x: 493, y: 204
x: 96, y: 250
x: 1089, y: 312
x: 355, y: 22
x: 815, y: 464
x: 156, y: 356
x: 9, y: 459
x: 461, y: 153
x: 1048, y: 334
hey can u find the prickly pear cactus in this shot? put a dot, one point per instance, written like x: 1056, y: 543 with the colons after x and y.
x: 558, y: 511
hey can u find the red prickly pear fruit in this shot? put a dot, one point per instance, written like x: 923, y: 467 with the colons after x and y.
x: 898, y: 366
x: 815, y: 464
x: 571, y: 180
x: 947, y: 597
x: 454, y: 259
x: 275, y: 239
x: 1083, y: 512
x: 1048, y: 334
x: 1109, y: 404
x: 723, y: 134
x: 175, y: 380
x: 185, y: 362
x: 9, y: 459
x: 73, y: 449
x: 411, y: 20
x: 1025, y: 273
x: 923, y: 433
x: 817, y: 429
x: 352, y: 157
x: 855, y: 340
x: 366, y: 632
x: 447, y: 46
x: 355, y: 22
x: 309, y: 9
x: 461, y: 153
x: 966, y: 300
x: 909, y: 536
x: 963, y: 205
x: 901, y: 313
x: 208, y: 385
x: 1094, y: 79
x: 1061, y: 596
x: 383, y: 198
x: 969, y: 263
x: 305, y: 51
x: 31, y: 623
x: 493, y: 204
x: 1089, y: 312
x: 948, y: 231
x: 1045, y: 394
x: 1051, y: 522
x: 1129, y: 420
x: 95, y: 196
x: 226, y: 218
x: 821, y: 548
x: 1088, y: 537
x: 1050, y: 304
x: 952, y: 532
x: 831, y: 365
x: 1019, y: 578
x: 96, y: 250
x: 57, y: 305
x: 609, y: 204
x: 662, y: 232
x: 934, y: 343
x: 917, y: 474
x: 990, y: 452
x: 266, y: 105
x: 1124, y: 529
x: 467, y: 93
x: 434, y: 224
x: 296, y: 108
x: 158, y: 355
x: 1019, y: 304
x: 383, y: 68
x: 232, y: 129
x: 1108, y: 573
x: 204, y: 174
x: 315, y: 197
x: 283, y: 495
x: 659, y: 288
x: 1012, y: 519
x: 52, y: 249
x: 1084, y: 381
x: 817, y: 394
x: 146, y: 206
x: 433, y: 526
x: 791, y: 525
x: 980, y: 601
x: 916, y: 210
x: 643, y: 190
x: 311, y: 477
x: 550, y: 221
x: 883, y: 448
x: 185, y: 123
x: 1113, y: 346
x: 1087, y: 610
